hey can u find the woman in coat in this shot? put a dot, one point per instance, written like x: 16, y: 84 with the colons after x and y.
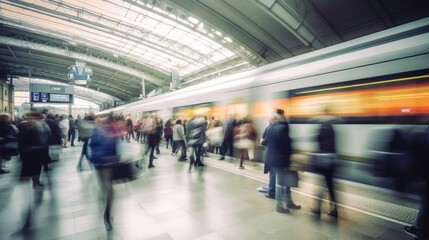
x: 33, y: 143
x: 277, y: 160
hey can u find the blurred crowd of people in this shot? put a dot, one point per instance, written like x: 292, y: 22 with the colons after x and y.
x: 39, y: 137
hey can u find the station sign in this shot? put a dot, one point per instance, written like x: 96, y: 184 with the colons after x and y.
x: 49, y: 93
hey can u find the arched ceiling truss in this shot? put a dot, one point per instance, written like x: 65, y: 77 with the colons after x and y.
x: 126, y: 42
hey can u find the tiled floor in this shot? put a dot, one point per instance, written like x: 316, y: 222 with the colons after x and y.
x: 171, y: 202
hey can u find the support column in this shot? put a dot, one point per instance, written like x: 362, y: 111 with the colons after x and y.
x: 11, y: 94
x: 143, y: 89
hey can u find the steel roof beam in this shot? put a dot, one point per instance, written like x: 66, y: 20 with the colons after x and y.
x: 83, y: 57
x: 287, y: 13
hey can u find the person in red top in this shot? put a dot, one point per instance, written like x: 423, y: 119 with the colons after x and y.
x: 168, y: 132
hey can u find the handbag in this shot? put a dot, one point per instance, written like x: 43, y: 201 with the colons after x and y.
x: 10, y: 147
x: 289, y: 178
x: 124, y: 172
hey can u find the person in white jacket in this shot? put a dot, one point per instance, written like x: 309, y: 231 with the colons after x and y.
x: 64, y: 126
x: 179, y: 138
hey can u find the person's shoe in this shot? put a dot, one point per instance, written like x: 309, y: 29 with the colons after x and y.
x: 108, y: 224
x: 281, y: 209
x: 270, y: 196
x: 222, y: 158
x: 150, y: 166
x: 38, y: 186
x: 155, y: 157
x: 293, y: 206
x: 4, y: 171
x: 411, y: 230
x: 79, y: 169
x: 241, y: 167
x: 200, y: 165
x: 72, y: 145
x: 333, y: 213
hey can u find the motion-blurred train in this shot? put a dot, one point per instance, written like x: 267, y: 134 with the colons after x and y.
x: 379, y: 80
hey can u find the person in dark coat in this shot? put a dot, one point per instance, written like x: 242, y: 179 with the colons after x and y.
x: 196, y: 137
x: 72, y: 130
x: 420, y: 153
x: 228, y: 140
x: 8, y: 133
x: 168, y: 133
x: 55, y: 138
x: 327, y: 147
x: 277, y: 160
x: 153, y: 137
x: 33, y: 140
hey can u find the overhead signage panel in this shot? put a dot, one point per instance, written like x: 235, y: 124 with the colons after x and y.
x: 42, y: 97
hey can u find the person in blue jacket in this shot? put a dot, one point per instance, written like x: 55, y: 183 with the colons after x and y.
x: 104, y: 156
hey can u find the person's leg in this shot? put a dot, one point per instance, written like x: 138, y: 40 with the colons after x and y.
x: 198, y: 150
x: 329, y: 178
x: 231, y: 148
x: 422, y: 221
x: 105, y: 181
x: 223, y: 149
x: 151, y: 156
x: 174, y: 146
x: 272, y: 183
x: 182, y: 145
x: 73, y: 136
x: 157, y: 149
x: 241, y: 153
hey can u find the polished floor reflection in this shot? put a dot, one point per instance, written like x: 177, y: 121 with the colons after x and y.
x: 169, y: 202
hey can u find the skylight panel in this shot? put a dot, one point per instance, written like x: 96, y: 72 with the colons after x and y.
x: 162, y: 29
x: 218, y: 57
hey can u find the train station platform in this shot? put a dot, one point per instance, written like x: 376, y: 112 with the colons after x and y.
x: 172, y: 201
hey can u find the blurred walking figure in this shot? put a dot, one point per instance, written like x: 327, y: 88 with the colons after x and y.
x: 129, y: 129
x: 33, y: 142
x: 137, y: 129
x: 228, y: 140
x: 8, y: 133
x: 324, y: 162
x: 64, y: 126
x: 179, y: 139
x: 168, y: 133
x: 420, y: 153
x: 85, y: 127
x: 103, y: 143
x: 153, y: 129
x: 72, y: 130
x: 196, y: 128
x: 277, y: 160
x: 55, y: 139
x: 244, y: 140
x: 215, y: 136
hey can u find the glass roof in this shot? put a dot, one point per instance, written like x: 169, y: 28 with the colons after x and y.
x: 153, y: 35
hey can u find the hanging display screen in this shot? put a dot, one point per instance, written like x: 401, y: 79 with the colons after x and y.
x: 42, y: 97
